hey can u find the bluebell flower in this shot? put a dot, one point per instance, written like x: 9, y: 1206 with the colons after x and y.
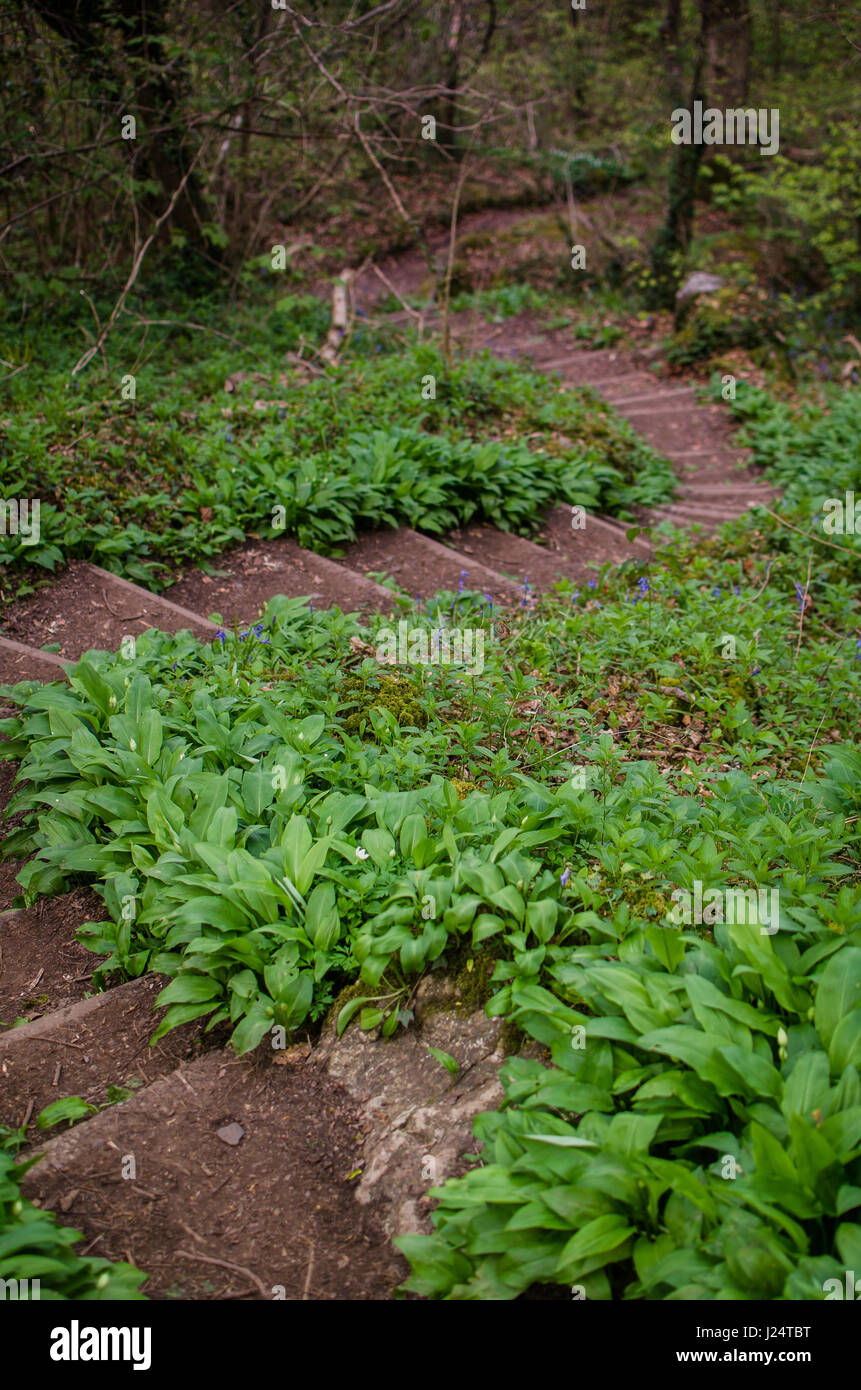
x: 463, y: 575
x: 564, y: 877
x: 755, y: 671
x: 716, y: 592
x: 220, y: 635
x: 592, y: 584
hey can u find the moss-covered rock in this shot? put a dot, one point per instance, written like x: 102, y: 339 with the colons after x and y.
x: 394, y: 693
x: 731, y: 318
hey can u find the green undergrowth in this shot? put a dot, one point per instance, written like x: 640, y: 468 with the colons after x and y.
x: 269, y: 822
x: 392, y: 435
x: 38, y: 1254
x: 811, y: 450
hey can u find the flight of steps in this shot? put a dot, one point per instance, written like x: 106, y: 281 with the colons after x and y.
x: 186, y: 1089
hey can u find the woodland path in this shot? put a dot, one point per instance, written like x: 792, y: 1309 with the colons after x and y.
x: 276, y: 1210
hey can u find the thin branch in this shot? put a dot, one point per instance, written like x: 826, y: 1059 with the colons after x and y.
x: 135, y: 270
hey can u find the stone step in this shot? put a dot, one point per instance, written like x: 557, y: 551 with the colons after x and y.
x: 86, y: 608
x: 254, y: 573
x: 84, y: 1048
x: 421, y: 566
x: 263, y: 1210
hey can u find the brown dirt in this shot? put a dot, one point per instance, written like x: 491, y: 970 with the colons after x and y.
x: 422, y: 566
x: 254, y: 573
x: 42, y: 966
x: 517, y: 558
x: 86, y: 1047
x: 19, y: 662
x: 277, y: 1209
x: 87, y: 609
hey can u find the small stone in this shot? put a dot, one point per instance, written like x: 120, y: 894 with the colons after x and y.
x: 700, y: 282
x: 230, y: 1134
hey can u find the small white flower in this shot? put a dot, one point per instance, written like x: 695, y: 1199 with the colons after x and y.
x: 361, y: 853
x: 132, y: 745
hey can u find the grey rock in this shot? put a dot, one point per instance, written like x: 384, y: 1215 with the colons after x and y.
x: 417, y: 1118
x: 230, y: 1134
x: 699, y: 282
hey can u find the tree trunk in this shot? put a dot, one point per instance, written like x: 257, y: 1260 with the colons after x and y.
x: 728, y: 28
x: 671, y: 243
x: 160, y: 94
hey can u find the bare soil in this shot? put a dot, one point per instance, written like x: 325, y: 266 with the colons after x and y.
x: 42, y: 966
x: 273, y: 1216
x: 252, y: 574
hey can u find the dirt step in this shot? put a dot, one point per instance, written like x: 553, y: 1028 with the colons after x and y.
x: 86, y: 608
x: 708, y: 416
x: 684, y: 520
x: 731, y: 492
x: 624, y: 381
x: 271, y: 1216
x: 531, y: 567
x: 679, y: 431
x: 86, y: 1047
x: 422, y: 566
x: 19, y: 662
x: 716, y: 475
x: 704, y: 513
x: 598, y: 542
x: 254, y: 573
x: 655, y: 397
x: 582, y: 368
x: 42, y: 966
